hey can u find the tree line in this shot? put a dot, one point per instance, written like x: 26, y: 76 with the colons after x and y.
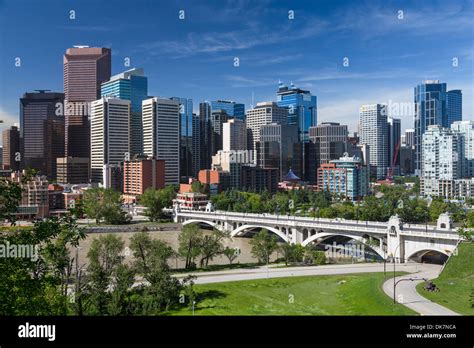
x: 388, y: 201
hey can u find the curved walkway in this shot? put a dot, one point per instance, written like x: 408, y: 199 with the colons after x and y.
x: 407, y: 295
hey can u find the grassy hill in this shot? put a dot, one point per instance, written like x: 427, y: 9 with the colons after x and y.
x: 456, y: 282
x: 351, y: 294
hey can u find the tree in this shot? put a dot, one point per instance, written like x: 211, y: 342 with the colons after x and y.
x: 319, y: 257
x: 466, y: 234
x: 35, y: 282
x: 10, y: 197
x: 91, y: 200
x: 231, y: 254
x: 292, y: 252
x: 211, y: 246
x: 155, y: 200
x: 263, y: 245
x: 470, y: 219
x: 198, y: 187
x: 437, y: 207
x: 100, y: 203
x: 190, y: 242
x: 151, y: 262
x: 105, y: 261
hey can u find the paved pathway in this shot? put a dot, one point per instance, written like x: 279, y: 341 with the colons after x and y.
x: 407, y: 295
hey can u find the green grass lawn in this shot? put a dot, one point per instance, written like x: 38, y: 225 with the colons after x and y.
x: 456, y: 282
x: 354, y: 294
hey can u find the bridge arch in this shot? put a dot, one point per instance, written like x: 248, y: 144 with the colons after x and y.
x: 419, y: 254
x: 242, y: 228
x: 326, y: 235
x: 207, y: 222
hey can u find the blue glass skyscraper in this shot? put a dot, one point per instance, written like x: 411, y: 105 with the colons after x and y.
x: 130, y: 85
x: 186, y: 138
x: 233, y: 109
x: 454, y: 106
x: 302, y: 108
x: 430, y: 109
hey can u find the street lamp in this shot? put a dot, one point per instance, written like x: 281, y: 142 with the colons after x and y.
x: 401, y: 280
x: 194, y: 302
x: 394, y: 262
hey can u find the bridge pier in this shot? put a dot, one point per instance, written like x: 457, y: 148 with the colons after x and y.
x: 395, y: 241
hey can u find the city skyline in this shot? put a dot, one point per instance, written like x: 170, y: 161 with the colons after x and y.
x: 196, y: 59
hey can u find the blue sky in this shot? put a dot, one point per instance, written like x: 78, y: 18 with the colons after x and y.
x: 194, y: 57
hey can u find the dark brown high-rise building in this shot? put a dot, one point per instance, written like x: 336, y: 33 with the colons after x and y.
x: 41, y: 131
x: 11, y: 148
x: 85, y: 68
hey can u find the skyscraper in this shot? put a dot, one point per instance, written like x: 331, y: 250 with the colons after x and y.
x: 196, y: 160
x: 330, y: 139
x: 161, y: 134
x: 276, y: 147
x: 110, y: 143
x: 233, y: 109
x: 454, y: 106
x: 186, y: 137
x: 205, y: 135
x: 130, y: 85
x: 409, y: 137
x: 11, y: 148
x: 373, y: 132
x: 430, y: 109
x: 41, y: 131
x: 218, y: 118
x: 394, y: 144
x: 302, y: 107
x: 264, y: 113
x: 85, y: 68
x: 234, y: 135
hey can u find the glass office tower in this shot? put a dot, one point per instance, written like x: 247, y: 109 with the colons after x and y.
x: 430, y: 109
x: 130, y: 85
x: 454, y: 106
x: 232, y: 109
x: 302, y: 107
x: 186, y: 137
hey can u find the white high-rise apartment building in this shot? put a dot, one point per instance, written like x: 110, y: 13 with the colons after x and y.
x: 110, y: 134
x: 441, y: 162
x: 161, y: 134
x: 373, y: 128
x: 466, y: 130
x: 234, y: 135
x: 264, y: 113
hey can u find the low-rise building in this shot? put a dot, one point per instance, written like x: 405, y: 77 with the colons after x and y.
x: 191, y: 201
x: 140, y: 174
x: 346, y: 177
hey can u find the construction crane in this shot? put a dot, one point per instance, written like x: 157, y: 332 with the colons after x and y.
x: 389, y: 178
x: 394, y: 161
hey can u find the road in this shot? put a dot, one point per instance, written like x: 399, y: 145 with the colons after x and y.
x: 406, y: 292
x: 278, y: 272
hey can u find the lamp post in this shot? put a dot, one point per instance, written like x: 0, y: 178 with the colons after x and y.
x: 394, y: 262
x: 194, y: 302
x: 401, y: 280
